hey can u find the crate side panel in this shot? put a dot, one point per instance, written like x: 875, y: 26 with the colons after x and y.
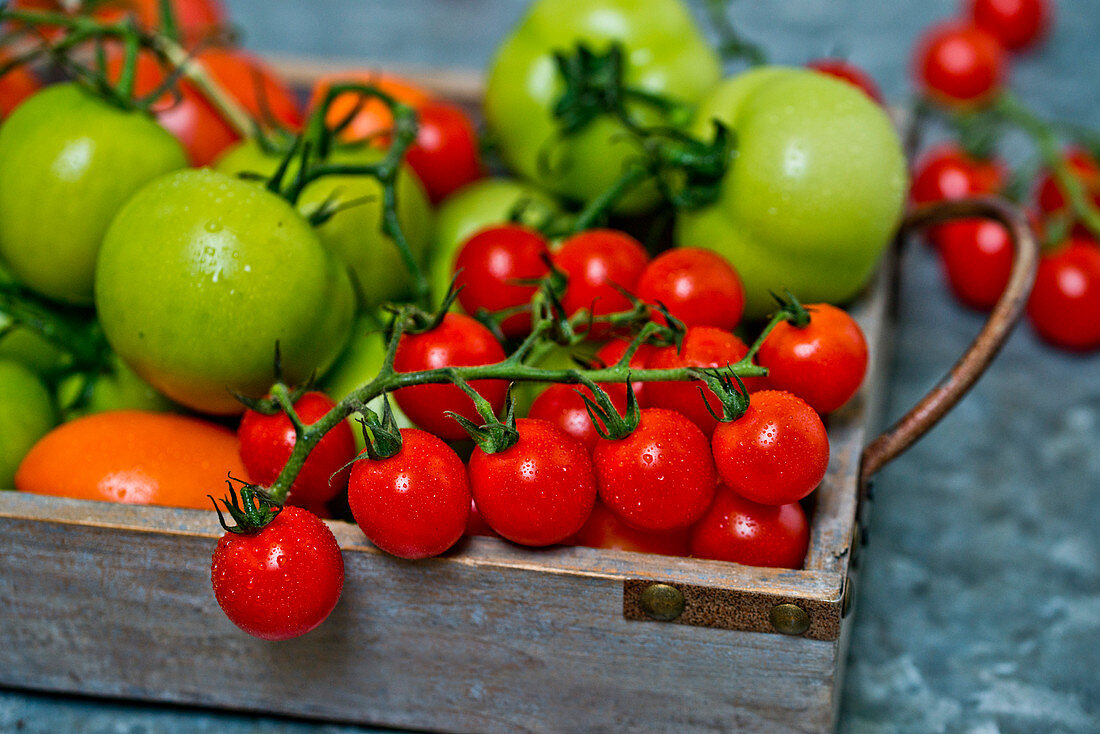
x: 435, y: 644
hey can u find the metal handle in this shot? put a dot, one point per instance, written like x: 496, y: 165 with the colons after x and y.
x: 966, y: 371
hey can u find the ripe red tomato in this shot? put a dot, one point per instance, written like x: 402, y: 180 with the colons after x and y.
x: 414, y: 504
x: 959, y: 65
x: 661, y: 476
x: 977, y: 257
x: 282, y: 581
x: 563, y: 406
x: 490, y: 266
x: 699, y: 287
x: 702, y: 346
x: 458, y: 341
x: 195, y: 19
x: 849, y: 72
x: 194, y: 120
x: 823, y: 362
x: 445, y: 155
x: 595, y: 262
x: 1017, y: 24
x: 15, y: 86
x: 267, y: 440
x: 947, y: 172
x: 1053, y: 202
x: 739, y: 530
x: 776, y: 453
x: 538, y: 492
x: 605, y: 529
x: 1064, y: 307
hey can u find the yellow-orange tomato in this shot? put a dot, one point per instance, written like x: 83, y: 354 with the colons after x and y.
x: 373, y: 117
x: 134, y: 457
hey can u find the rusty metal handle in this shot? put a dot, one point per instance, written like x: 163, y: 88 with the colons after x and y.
x: 966, y: 371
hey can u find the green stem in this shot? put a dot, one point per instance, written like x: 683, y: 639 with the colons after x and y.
x: 598, y: 208
x: 82, y: 339
x: 748, y: 360
x: 732, y: 46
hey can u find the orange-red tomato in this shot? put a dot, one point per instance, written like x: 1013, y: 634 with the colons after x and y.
x: 195, y: 19
x: 15, y: 86
x: 133, y: 457
x: 371, y: 116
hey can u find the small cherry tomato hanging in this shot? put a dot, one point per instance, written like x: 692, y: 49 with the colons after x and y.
x: 445, y: 155
x: 698, y: 287
x: 1017, y: 24
x: 977, y: 257
x: 959, y: 65
x: 598, y: 263
x: 1064, y: 306
x: 739, y: 530
x: 563, y: 406
x: 774, y: 454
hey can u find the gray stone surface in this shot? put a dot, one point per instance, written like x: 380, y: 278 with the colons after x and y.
x: 978, y: 607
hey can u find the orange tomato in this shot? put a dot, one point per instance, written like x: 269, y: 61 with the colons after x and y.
x: 133, y: 457
x: 374, y: 117
x: 15, y: 86
x: 196, y: 19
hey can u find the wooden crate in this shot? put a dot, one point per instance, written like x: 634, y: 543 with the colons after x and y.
x: 115, y: 600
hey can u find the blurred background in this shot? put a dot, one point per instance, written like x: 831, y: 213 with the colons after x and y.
x: 978, y: 604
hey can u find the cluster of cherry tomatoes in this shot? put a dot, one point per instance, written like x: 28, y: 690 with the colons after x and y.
x: 962, y: 67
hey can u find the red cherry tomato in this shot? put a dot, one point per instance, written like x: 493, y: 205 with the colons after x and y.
x: 1017, y: 24
x: 605, y: 529
x: 490, y: 267
x: 15, y: 86
x: 195, y: 19
x: 414, y: 504
x: 776, y: 453
x: 977, y: 257
x: 702, y: 346
x: 563, y: 406
x: 958, y: 65
x: 476, y: 525
x: 596, y: 262
x: 1064, y: 307
x: 282, y: 581
x: 538, y: 492
x: 661, y: 476
x: 458, y: 341
x: 823, y: 362
x: 739, y: 530
x: 445, y: 155
x: 947, y: 172
x: 699, y: 287
x: 267, y: 440
x: 1053, y: 202
x: 849, y: 72
x: 194, y: 120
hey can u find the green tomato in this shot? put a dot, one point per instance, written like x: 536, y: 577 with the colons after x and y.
x: 202, y: 274
x: 355, y: 234
x: 28, y: 347
x: 68, y: 162
x: 117, y: 388
x: 665, y: 54
x: 27, y: 413
x: 476, y: 206
x: 815, y: 191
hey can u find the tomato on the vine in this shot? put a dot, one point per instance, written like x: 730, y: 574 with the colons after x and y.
x: 414, y: 504
x: 1052, y: 200
x: 848, y: 72
x: 457, y: 341
x: 196, y: 20
x: 598, y: 263
x: 267, y: 440
x: 609, y: 355
x: 822, y: 362
x: 563, y: 406
x: 539, y: 491
x: 666, y: 54
x: 282, y: 581
x: 27, y: 413
x: 1064, y: 306
x: 698, y: 287
x: 977, y: 257
x: 947, y: 172
x: 702, y: 346
x: 774, y: 454
x: 446, y: 155
x: 15, y: 86
x: 814, y: 191
x: 68, y: 162
x: 659, y: 477
x: 495, y: 270
x: 960, y: 65
x: 370, y: 118
x: 605, y: 529
x: 202, y: 275
x: 742, y: 531
x: 1017, y: 24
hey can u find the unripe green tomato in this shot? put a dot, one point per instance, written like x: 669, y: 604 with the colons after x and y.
x: 355, y: 234
x: 666, y: 54
x: 472, y: 208
x: 27, y: 413
x: 202, y: 274
x: 68, y: 162
x: 26, y: 346
x: 117, y: 388
x: 815, y: 190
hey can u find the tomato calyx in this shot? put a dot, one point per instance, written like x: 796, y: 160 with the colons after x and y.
x: 495, y: 435
x: 728, y: 388
x: 381, y: 435
x: 605, y: 416
x: 252, y: 512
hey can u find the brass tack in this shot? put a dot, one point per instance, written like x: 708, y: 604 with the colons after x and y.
x: 662, y: 602
x: 790, y: 619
